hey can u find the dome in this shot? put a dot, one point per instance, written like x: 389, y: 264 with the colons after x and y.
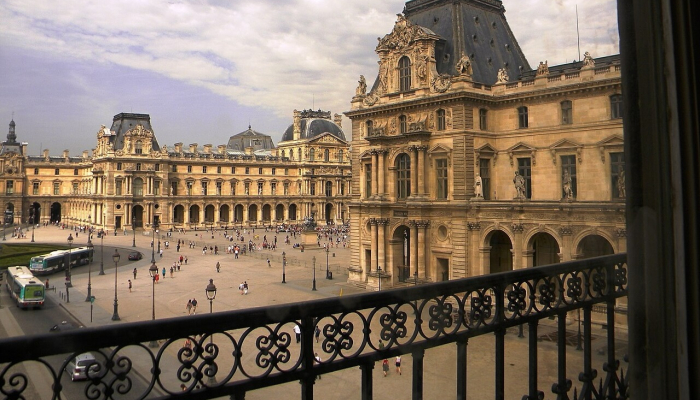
x: 250, y: 138
x: 313, y: 124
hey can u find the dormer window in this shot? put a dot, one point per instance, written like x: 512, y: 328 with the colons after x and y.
x: 404, y: 74
x: 138, y: 148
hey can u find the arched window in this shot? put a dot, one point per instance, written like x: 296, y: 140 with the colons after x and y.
x: 403, y: 125
x: 283, y: 154
x: 404, y: 74
x: 403, y: 176
x: 139, y: 147
x: 326, y: 155
x: 312, y: 154
x: 299, y: 154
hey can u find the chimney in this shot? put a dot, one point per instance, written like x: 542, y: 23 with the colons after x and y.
x: 85, y: 154
x: 249, y: 151
x: 297, y: 125
x: 338, y: 119
x: 66, y: 155
x: 193, y: 148
x: 178, y: 147
x: 222, y: 148
x: 207, y: 149
x: 46, y: 154
x: 24, y: 148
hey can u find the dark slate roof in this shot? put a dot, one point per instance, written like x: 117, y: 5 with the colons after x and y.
x: 250, y: 138
x: 476, y: 28
x: 123, y: 122
x: 11, y: 145
x: 312, y: 127
x: 575, y: 66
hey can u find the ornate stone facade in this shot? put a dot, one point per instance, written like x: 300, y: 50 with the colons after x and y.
x: 417, y: 151
x: 130, y: 179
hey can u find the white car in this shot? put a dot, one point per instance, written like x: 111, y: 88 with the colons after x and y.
x: 78, y: 367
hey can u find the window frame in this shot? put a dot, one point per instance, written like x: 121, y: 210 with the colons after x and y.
x: 441, y: 179
x: 567, y: 112
x: 441, y: 120
x: 523, y: 117
x: 404, y: 68
x: 525, y: 169
x: 403, y: 176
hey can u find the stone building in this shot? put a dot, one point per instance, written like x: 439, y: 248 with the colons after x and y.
x: 467, y: 161
x: 130, y: 179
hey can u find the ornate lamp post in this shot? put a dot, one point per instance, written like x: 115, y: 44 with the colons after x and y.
x: 115, y: 258
x: 284, y: 265
x: 152, y: 271
x: 313, y: 261
x: 89, y: 289
x: 133, y: 231
x: 328, y: 273
x: 69, y: 282
x: 211, y: 294
x: 379, y: 274
x: 102, y: 250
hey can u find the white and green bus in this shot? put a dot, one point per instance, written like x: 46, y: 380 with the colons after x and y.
x: 56, y: 260
x: 26, y: 290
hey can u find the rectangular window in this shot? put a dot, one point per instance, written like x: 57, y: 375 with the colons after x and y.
x: 233, y: 170
x: 56, y: 188
x: 218, y: 188
x: 260, y: 171
x: 247, y: 170
x: 218, y: 170
x: 75, y: 188
x: 568, y: 177
x: 403, y: 124
x: 156, y: 187
x: 286, y: 189
x: 75, y: 171
x: 441, y: 178
x: 368, y: 180
x: 35, y: 188
x: 56, y: 172
x: 157, y: 167
x: 173, y: 188
x: 441, y: 120
x: 233, y: 188
x: 483, y: 120
x: 260, y: 188
x: 616, y: 106
x: 10, y: 187
x: 523, y: 120
x: 138, y: 166
x: 174, y: 168
x: 189, y: 169
x: 566, y: 112
x: 485, y: 174
x: 205, y: 188
x: 329, y: 188
x: 273, y: 188
x: 617, y: 174
x: 274, y: 171
x: 342, y: 188
x: 36, y: 171
x: 118, y: 188
x: 312, y: 188
x: 204, y: 169
x: 286, y: 171
x: 525, y: 170
x: 119, y: 167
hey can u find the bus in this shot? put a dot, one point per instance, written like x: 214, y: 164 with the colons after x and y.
x: 25, y: 289
x: 56, y: 260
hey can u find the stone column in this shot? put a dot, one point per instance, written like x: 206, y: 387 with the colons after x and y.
x: 422, y: 227
x: 381, y: 243
x: 518, y: 246
x: 375, y: 167
x: 413, y: 248
x: 420, y: 170
x: 414, y: 170
x: 381, y: 189
x: 373, y: 246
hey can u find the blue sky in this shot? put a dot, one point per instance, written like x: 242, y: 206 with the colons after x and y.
x: 205, y: 69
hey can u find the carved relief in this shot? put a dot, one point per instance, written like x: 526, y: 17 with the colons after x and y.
x: 442, y: 83
x: 402, y: 36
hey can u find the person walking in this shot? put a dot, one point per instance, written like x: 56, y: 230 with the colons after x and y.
x: 397, y: 362
x: 188, y: 307
x: 297, y: 333
x: 157, y: 278
x: 218, y: 266
x: 245, y: 287
x: 134, y: 273
x: 385, y: 367
x: 164, y: 273
x: 129, y: 285
x: 240, y: 287
x: 317, y: 333
x: 194, y: 306
x: 268, y: 263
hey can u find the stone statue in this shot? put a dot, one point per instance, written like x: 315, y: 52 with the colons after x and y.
x: 171, y: 190
x: 519, y: 183
x: 543, y: 68
x: 621, y: 191
x: 464, y: 66
x: 502, y: 76
x: 383, y: 76
x: 361, y: 87
x: 478, y: 187
x: 588, y: 61
x: 422, y: 68
x: 567, y: 186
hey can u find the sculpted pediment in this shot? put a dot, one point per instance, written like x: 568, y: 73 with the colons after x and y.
x: 403, y: 35
x: 565, y: 145
x: 614, y: 143
x: 521, y: 149
x: 327, y: 138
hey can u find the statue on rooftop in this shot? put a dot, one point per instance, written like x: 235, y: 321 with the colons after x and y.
x: 502, y: 76
x: 361, y: 87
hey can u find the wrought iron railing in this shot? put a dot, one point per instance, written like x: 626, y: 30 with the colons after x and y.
x: 231, y: 353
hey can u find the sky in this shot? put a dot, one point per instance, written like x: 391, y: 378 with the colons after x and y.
x: 207, y: 69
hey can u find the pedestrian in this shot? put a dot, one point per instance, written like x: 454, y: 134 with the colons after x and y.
x: 385, y: 367
x: 182, y: 258
x: 161, y: 253
x: 47, y: 283
x: 297, y: 332
x: 185, y: 260
x: 268, y: 263
x: 245, y: 287
x: 317, y: 333
x: 164, y: 275
x: 218, y: 266
x: 189, y: 307
x: 240, y: 287
x: 318, y: 361
x: 381, y: 345
x: 129, y: 285
x: 172, y: 269
x: 397, y: 362
x: 134, y: 273
x: 157, y: 278
x: 194, y: 306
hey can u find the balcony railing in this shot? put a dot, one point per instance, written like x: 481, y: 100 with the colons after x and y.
x: 234, y: 352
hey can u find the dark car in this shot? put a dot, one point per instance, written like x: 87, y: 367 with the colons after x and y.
x: 135, y: 256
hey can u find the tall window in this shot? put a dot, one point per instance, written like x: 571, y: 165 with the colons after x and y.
x: 616, y: 106
x: 404, y: 74
x: 525, y: 169
x: 247, y: 170
x: 35, y: 188
x: 174, y: 168
x: 260, y: 188
x: 441, y: 178
x: 75, y: 171
x: 189, y: 188
x: 312, y: 188
x: 138, y: 147
x: 285, y: 188
x: 299, y: 154
x: 189, y: 169
x: 56, y: 188
x: 138, y: 166
x: 55, y: 171
x: 117, y: 188
x: 137, y: 187
x: 342, y: 188
x: 173, y: 188
x: 284, y: 154
x: 368, y: 180
x: 218, y: 169
x: 403, y: 176
x: 36, y: 171
x: 329, y: 188
x: 522, y: 117
x: 233, y: 170
x: 157, y: 167
x: 568, y: 176
x: 246, y: 188
x: 485, y: 174
x: 156, y: 188
x: 274, y: 171
x: 312, y: 154
x: 403, y: 125
x: 219, y: 185
x: 441, y: 120
x: 273, y: 188
x: 75, y: 188
x: 204, y: 169
x: 340, y: 155
x: 205, y: 188
x: 10, y: 187
x: 326, y: 155
x: 567, y: 112
x: 617, y: 174
x: 260, y: 171
x: 483, y: 120
x: 369, y: 125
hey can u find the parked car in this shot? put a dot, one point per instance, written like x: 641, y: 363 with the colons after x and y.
x: 78, y: 367
x: 135, y: 256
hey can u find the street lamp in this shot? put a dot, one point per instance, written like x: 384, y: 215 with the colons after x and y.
x: 284, y: 265
x: 211, y: 294
x: 33, y: 214
x: 91, y: 249
x: 379, y: 274
x: 152, y: 271
x: 328, y: 273
x: 313, y: 260
x: 133, y: 231
x: 115, y: 258
x: 102, y: 250
x: 69, y: 282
